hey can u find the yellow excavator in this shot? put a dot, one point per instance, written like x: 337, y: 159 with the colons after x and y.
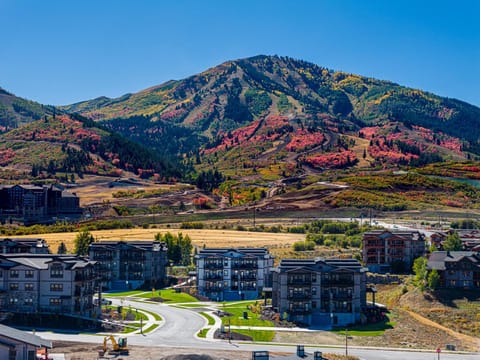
x: 118, y: 347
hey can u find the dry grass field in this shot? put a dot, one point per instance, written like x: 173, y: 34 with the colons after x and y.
x: 207, y: 237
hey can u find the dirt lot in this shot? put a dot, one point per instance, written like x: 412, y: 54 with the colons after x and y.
x: 77, y: 351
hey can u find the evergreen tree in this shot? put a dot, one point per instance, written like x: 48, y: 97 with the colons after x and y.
x: 62, y: 249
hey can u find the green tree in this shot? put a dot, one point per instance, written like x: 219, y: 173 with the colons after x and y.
x: 433, y: 279
x: 453, y: 242
x: 82, y: 242
x: 62, y: 249
x: 420, y: 271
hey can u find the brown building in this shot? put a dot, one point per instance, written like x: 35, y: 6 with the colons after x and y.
x: 392, y: 251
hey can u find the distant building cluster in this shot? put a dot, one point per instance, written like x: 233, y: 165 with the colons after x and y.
x: 315, y: 292
x: 37, y: 204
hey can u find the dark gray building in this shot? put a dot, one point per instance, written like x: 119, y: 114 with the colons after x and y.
x: 124, y: 265
x: 457, y: 269
x: 319, y: 292
x: 225, y: 274
x: 19, y: 245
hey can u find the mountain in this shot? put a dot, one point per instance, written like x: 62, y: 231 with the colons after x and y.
x: 270, y: 111
x: 38, y: 142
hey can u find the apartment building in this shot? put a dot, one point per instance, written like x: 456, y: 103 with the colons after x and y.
x: 457, y: 269
x: 31, y: 246
x: 319, y: 292
x: 225, y: 274
x: 46, y: 284
x: 123, y: 265
x: 36, y: 204
x: 392, y: 250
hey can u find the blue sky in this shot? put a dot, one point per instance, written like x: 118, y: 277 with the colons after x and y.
x: 64, y: 51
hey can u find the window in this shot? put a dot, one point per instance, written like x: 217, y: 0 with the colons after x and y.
x: 314, y: 290
x: 1, y: 274
x: 314, y: 304
x: 12, y: 301
x: 55, y: 301
x: 56, y: 272
x: 29, y: 273
x: 28, y: 301
x: 14, y: 273
x: 225, y: 272
x: 28, y: 286
x: 14, y: 286
x: 56, y: 287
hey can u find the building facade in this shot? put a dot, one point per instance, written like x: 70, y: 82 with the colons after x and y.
x: 33, y: 203
x: 46, y: 284
x: 457, y: 269
x: 130, y: 265
x: 15, y: 246
x: 385, y: 251
x: 232, y: 274
x: 20, y: 345
x: 319, y: 292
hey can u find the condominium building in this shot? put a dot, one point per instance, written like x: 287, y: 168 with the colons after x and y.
x: 125, y: 265
x: 225, y: 274
x: 15, y: 246
x: 319, y: 292
x: 37, y: 204
x: 45, y: 284
x: 392, y: 251
x: 457, y: 269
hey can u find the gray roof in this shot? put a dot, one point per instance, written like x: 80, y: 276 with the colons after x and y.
x: 438, y: 259
x: 315, y: 264
x: 258, y: 252
x: 145, y: 245
x: 41, y: 261
x: 25, y: 337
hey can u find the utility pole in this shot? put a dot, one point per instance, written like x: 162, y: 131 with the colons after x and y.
x: 346, y: 342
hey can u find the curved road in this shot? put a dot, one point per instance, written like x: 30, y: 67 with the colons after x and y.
x: 179, y: 327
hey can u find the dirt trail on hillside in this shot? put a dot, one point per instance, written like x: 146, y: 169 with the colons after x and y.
x: 465, y: 339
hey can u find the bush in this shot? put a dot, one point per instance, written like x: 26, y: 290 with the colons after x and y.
x: 304, y: 246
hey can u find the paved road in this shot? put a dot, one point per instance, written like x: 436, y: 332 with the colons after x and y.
x: 180, y: 326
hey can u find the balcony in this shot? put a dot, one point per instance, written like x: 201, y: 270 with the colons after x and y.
x: 342, y: 282
x: 240, y: 265
x: 213, y: 265
x: 213, y: 276
x: 300, y: 281
x: 299, y: 296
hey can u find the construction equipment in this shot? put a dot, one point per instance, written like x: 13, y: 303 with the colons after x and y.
x: 118, y: 347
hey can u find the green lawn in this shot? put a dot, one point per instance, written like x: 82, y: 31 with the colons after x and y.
x: 258, y: 335
x: 151, y: 328
x: 203, y: 333
x: 377, y: 329
x: 172, y: 297
x: 211, y: 320
x: 124, y: 293
x: 237, y: 311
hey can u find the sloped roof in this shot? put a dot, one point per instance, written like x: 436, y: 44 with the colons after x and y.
x: 438, y: 259
x: 24, y: 337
